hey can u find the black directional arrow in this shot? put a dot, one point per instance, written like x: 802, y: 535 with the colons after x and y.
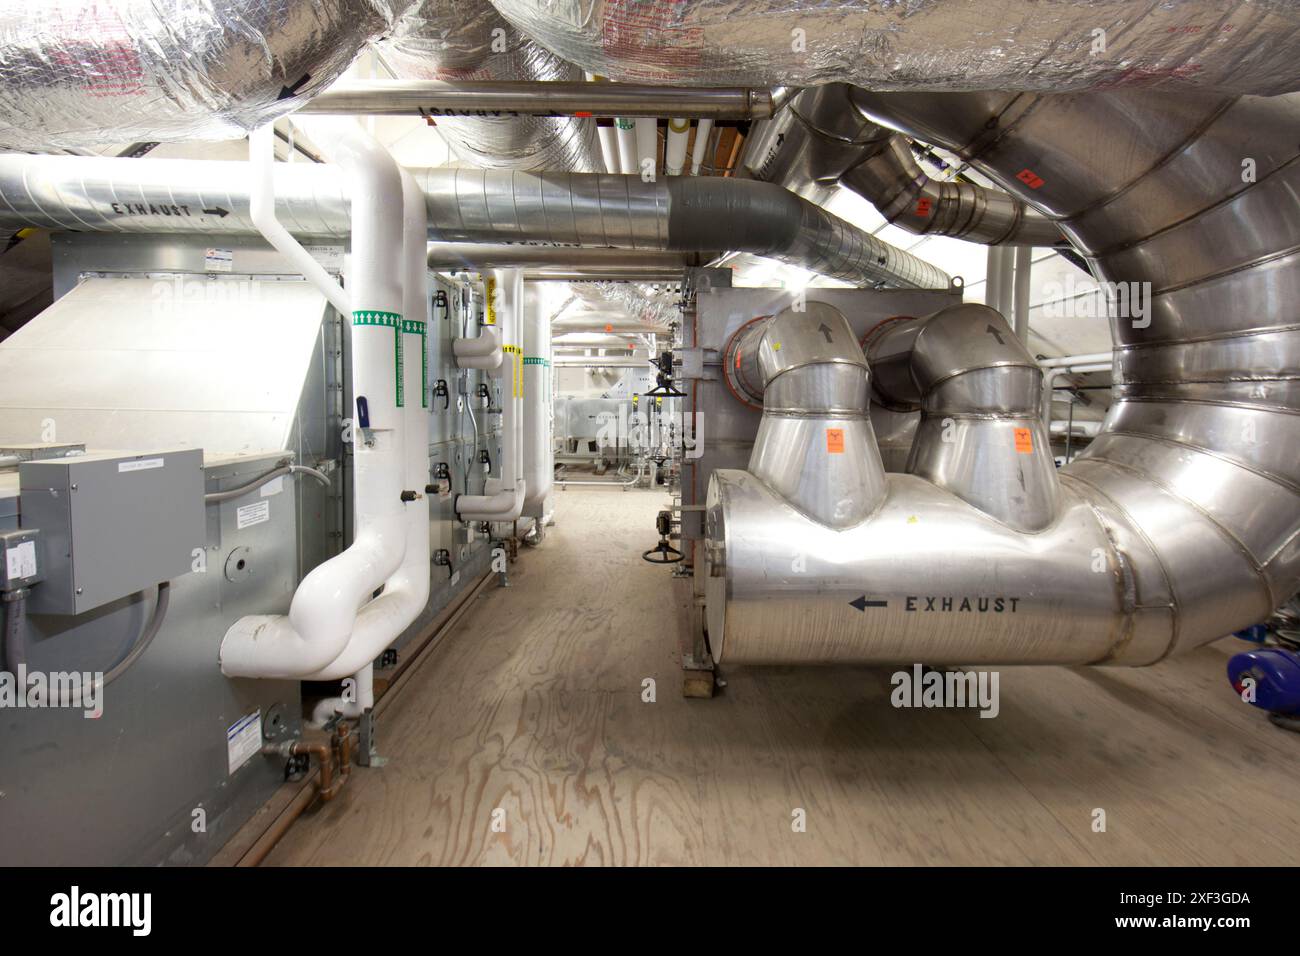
x: 996, y: 334
x: 292, y: 90
x: 862, y: 603
x: 217, y: 211
x: 825, y: 330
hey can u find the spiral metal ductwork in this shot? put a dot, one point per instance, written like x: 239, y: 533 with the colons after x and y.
x: 468, y: 40
x: 684, y: 214
x: 77, y: 74
x: 1040, y: 45
x: 1181, y: 522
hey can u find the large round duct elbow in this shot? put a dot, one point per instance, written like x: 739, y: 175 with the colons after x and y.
x: 925, y: 44
x: 468, y: 40
x: 77, y: 74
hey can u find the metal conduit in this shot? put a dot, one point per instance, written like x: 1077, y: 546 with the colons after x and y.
x: 683, y: 214
x: 553, y: 98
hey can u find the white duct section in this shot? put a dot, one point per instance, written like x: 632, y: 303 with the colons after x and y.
x: 679, y: 131
x: 609, y: 148
x: 647, y: 147
x: 626, y: 135
x: 330, y: 610
x: 503, y: 499
x: 539, y: 449
x: 77, y: 73
x: 1054, y: 45
x: 703, y: 129
x: 468, y: 40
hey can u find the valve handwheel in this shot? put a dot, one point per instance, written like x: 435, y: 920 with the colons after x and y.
x: 668, y: 554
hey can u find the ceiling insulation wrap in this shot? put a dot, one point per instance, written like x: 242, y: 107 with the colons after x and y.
x: 468, y: 40
x: 1045, y: 45
x: 80, y: 73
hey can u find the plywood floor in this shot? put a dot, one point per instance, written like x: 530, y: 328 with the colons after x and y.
x: 533, y: 707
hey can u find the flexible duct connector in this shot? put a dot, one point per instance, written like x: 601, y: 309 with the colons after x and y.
x: 76, y: 73
x: 821, y: 139
x: 652, y: 309
x: 1181, y: 521
x: 927, y: 44
x: 468, y: 40
x: 68, y: 193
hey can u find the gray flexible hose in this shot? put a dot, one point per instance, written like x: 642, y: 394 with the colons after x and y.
x: 219, y: 496
x: 146, y: 638
x: 13, y: 647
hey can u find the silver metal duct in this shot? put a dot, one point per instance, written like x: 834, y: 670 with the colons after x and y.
x: 74, y: 73
x: 821, y: 139
x: 926, y: 44
x: 1181, y: 521
x: 468, y: 40
x: 557, y: 98
x: 680, y: 213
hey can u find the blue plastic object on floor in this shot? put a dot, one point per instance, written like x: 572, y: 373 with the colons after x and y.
x: 1276, y: 676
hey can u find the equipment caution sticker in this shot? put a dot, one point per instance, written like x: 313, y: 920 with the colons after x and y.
x: 1024, y: 441
x: 243, y: 739
x: 835, y: 441
x: 250, y: 515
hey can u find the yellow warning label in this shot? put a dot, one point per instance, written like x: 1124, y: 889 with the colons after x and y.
x: 490, y: 313
x: 835, y: 441
x: 1024, y: 441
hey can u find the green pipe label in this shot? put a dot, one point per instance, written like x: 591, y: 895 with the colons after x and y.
x: 534, y: 360
x: 394, y: 321
x: 412, y: 327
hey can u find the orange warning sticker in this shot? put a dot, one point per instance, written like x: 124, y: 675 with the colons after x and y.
x: 1024, y: 441
x: 835, y: 441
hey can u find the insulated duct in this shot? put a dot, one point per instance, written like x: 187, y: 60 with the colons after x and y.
x: 822, y: 139
x: 925, y: 44
x: 79, y: 73
x: 678, y: 213
x: 1181, y: 521
x: 468, y: 40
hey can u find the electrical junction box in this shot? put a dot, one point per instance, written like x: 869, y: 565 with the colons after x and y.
x: 20, y: 565
x: 111, y: 524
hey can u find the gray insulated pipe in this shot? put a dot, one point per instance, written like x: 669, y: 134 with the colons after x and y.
x: 68, y: 193
x: 78, y: 74
x: 468, y: 40
x: 1181, y: 521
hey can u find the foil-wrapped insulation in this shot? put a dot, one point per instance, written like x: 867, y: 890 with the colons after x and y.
x: 1043, y: 45
x: 81, y: 73
x: 654, y: 308
x: 468, y: 40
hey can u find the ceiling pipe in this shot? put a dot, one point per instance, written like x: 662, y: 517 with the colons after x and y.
x: 477, y: 256
x: 676, y: 213
x: 553, y: 98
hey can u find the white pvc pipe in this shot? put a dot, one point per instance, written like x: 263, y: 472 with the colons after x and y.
x: 362, y: 701
x: 679, y: 131
x: 609, y: 147
x: 626, y: 132
x: 1050, y: 375
x: 647, y: 147
x: 326, y: 606
x: 406, y: 592
x: 1091, y: 358
x: 261, y: 209
x: 702, y: 130
x: 539, y: 450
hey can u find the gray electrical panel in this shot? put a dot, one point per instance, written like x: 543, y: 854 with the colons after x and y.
x: 111, y: 524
